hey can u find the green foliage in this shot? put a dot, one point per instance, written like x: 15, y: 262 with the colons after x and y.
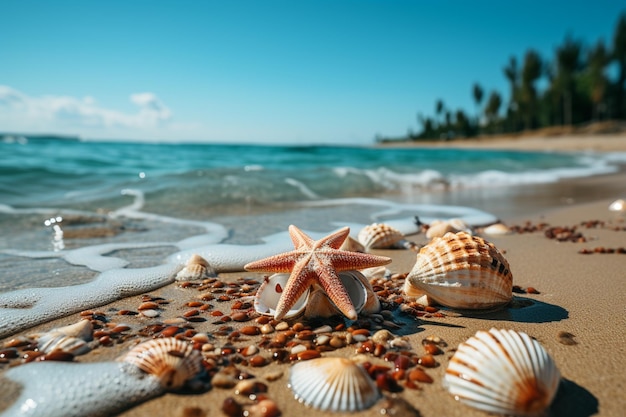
x: 577, y: 90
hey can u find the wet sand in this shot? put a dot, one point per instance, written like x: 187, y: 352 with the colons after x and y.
x: 581, y: 294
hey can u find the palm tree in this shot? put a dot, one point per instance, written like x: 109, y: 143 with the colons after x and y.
x: 511, y: 72
x: 493, y: 107
x: 439, y: 108
x: 568, y: 65
x: 528, y: 93
x: 619, y: 55
x: 477, y: 92
x: 597, y: 59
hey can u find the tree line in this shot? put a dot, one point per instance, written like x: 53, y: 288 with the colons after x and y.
x: 578, y: 90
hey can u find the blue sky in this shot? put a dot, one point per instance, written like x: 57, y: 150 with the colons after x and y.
x: 266, y: 71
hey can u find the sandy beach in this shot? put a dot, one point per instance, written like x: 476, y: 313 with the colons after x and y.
x: 578, y: 294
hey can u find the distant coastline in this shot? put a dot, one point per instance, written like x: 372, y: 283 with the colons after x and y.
x: 20, y: 137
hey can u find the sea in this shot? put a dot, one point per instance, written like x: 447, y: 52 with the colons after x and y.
x: 59, y: 195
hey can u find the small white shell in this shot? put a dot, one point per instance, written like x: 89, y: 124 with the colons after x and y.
x: 333, y: 384
x: 618, y: 205
x: 379, y: 236
x: 58, y: 341
x: 497, y: 229
x: 438, y: 228
x: 172, y: 361
x: 197, y: 268
x: 352, y: 245
x: 503, y: 371
x: 461, y: 271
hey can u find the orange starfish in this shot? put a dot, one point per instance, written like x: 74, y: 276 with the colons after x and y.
x: 316, y: 262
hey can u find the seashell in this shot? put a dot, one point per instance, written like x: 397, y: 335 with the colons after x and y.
x: 618, y: 205
x: 438, y: 228
x: 333, y: 384
x: 314, y: 302
x: 352, y: 245
x: 82, y: 329
x: 497, y: 229
x: 197, y: 268
x: 461, y: 271
x: 268, y: 294
x: 172, y: 361
x: 58, y: 341
x: 379, y: 236
x: 503, y: 371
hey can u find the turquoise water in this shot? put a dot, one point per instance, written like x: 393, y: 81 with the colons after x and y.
x: 57, y: 195
x: 63, y: 173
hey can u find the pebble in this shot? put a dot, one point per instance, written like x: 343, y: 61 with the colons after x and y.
x: 150, y: 313
x: 264, y: 408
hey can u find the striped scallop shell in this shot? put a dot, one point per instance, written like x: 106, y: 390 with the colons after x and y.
x: 379, y: 236
x: 197, y: 268
x: 53, y: 341
x: 503, y: 371
x: 462, y: 271
x: 172, y: 361
x: 333, y: 384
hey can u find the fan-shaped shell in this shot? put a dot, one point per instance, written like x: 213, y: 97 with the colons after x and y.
x: 503, y: 371
x: 379, y: 236
x: 172, y: 361
x: 197, y: 268
x: 333, y: 384
x: 462, y: 271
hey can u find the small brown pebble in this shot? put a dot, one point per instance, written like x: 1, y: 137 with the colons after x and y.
x: 232, y: 408
x: 149, y: 305
x: 567, y: 338
x: 171, y: 331
x: 250, y: 386
x: 250, y: 330
x: 264, y: 408
x: 57, y: 355
x: 532, y: 290
x: 308, y: 354
x: 240, y: 316
x: 193, y: 412
x: 418, y: 374
x: 427, y: 361
x: 191, y: 313
x: 258, y: 361
x: 432, y: 349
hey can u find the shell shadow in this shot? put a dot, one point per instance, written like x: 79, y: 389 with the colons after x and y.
x: 572, y: 400
x: 521, y: 310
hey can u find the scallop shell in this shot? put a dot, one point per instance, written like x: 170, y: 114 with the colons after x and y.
x: 379, y: 236
x: 461, y: 271
x: 172, y: 361
x: 333, y: 384
x: 438, y: 228
x: 197, y: 268
x: 618, y: 205
x: 503, y: 371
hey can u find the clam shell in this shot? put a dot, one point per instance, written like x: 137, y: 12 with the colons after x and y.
x: 197, y: 268
x: 268, y: 294
x: 314, y: 302
x: 172, y: 361
x: 438, y: 228
x: 497, y: 229
x: 618, y: 205
x: 503, y: 371
x: 333, y: 384
x: 379, y: 236
x: 461, y: 271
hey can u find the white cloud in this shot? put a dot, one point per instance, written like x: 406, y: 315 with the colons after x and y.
x: 65, y: 114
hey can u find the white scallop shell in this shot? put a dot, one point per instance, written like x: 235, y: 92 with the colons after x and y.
x: 461, y: 271
x: 503, y: 371
x: 438, y: 228
x: 197, y: 268
x: 379, y: 236
x: 333, y: 384
x: 618, y: 205
x: 172, y: 361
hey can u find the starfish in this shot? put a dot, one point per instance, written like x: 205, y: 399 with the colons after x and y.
x: 316, y: 262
